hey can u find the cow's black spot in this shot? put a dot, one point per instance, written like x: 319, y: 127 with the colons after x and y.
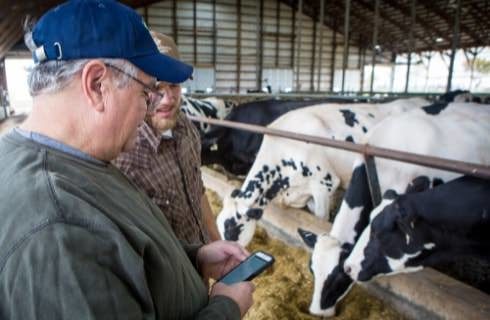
x: 265, y: 168
x: 349, y: 117
x: 305, y: 170
x: 349, y: 139
x: 232, y: 229
x: 279, y: 184
x: 260, y: 176
x: 364, y: 129
x: 289, y: 163
x: 318, y: 168
x: 327, y: 181
x: 435, y: 108
x: 371, y: 115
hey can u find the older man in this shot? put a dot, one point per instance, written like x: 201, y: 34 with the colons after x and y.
x: 166, y: 162
x: 77, y: 239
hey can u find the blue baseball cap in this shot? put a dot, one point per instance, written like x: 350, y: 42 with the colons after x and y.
x: 85, y: 29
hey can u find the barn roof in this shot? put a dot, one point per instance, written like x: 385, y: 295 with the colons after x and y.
x: 433, y: 27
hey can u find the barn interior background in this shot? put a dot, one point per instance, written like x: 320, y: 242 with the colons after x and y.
x: 323, y: 47
x: 298, y: 49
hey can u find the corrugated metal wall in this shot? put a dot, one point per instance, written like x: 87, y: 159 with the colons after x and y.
x: 240, y: 45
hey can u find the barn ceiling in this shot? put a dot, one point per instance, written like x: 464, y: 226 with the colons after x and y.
x: 433, y: 27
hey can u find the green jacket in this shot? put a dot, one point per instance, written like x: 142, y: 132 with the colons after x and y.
x: 79, y: 241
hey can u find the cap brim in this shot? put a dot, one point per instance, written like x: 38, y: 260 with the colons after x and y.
x: 163, y: 67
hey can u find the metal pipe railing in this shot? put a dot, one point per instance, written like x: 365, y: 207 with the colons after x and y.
x: 467, y: 168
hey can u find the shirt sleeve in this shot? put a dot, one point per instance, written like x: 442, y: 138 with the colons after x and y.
x: 70, y: 272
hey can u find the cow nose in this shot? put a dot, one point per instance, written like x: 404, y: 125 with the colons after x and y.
x: 347, y: 269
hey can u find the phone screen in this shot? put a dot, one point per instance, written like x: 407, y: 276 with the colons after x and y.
x: 247, y: 268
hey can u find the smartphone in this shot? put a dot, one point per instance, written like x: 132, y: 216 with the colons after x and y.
x: 249, y: 268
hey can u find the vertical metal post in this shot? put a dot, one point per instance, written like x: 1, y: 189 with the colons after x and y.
x: 174, y: 21
x: 361, y: 67
x: 411, y: 43
x: 334, y: 53
x: 293, y: 37
x: 375, y: 43
x: 320, y: 45
x: 278, y: 24
x: 260, y: 45
x: 392, y: 73
x: 455, y: 44
x: 346, y: 42
x: 313, y: 57
x: 373, y: 181
x: 145, y: 13
x: 194, y: 30
x: 298, y: 42
x: 238, y: 45
x: 214, y: 43
x: 4, y: 101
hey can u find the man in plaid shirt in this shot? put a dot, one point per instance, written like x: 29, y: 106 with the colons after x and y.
x: 166, y: 161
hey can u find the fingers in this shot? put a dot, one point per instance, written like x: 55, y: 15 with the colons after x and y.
x: 236, y: 250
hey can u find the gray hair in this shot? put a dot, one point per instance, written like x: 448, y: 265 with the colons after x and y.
x: 53, y: 76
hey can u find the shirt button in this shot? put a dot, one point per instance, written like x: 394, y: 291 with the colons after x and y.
x: 167, y: 202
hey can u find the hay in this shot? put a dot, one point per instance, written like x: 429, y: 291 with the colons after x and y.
x: 284, y: 291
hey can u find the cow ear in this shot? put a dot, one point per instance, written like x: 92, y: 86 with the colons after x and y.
x: 309, y: 238
x: 418, y: 184
x: 235, y: 193
x: 254, y: 213
x: 405, y: 221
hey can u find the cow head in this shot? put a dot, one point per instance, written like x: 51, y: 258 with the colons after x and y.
x: 236, y: 221
x: 331, y: 283
x: 391, y: 244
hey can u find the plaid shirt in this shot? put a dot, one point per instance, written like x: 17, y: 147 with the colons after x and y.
x: 168, y: 170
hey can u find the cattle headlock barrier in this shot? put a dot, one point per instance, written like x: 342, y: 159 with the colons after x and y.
x: 368, y: 151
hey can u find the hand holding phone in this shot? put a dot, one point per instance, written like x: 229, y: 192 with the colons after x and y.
x: 248, y: 269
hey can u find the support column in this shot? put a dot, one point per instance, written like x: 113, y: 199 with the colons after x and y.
x: 238, y: 44
x: 298, y: 42
x: 260, y: 45
x: 4, y: 101
x: 334, y: 53
x: 346, y: 42
x: 214, y: 43
x: 455, y: 44
x: 320, y: 45
x: 411, y: 44
x: 174, y: 21
x: 374, y: 44
x: 313, y: 57
x: 194, y: 31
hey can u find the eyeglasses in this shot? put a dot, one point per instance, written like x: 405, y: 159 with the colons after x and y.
x: 152, y: 95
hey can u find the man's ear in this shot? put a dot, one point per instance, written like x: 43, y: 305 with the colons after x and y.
x: 93, y: 74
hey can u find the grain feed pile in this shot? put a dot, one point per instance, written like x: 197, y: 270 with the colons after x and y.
x: 284, y: 292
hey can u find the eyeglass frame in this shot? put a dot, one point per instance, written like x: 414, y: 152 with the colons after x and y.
x: 150, y: 105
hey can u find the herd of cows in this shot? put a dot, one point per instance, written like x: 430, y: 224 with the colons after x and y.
x: 426, y: 215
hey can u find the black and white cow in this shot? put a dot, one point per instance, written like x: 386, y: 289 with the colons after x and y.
x: 235, y: 149
x: 208, y: 107
x: 457, y: 131
x: 297, y: 174
x: 424, y: 229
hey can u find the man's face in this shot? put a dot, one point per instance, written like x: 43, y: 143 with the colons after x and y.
x: 164, y: 116
x: 130, y: 110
